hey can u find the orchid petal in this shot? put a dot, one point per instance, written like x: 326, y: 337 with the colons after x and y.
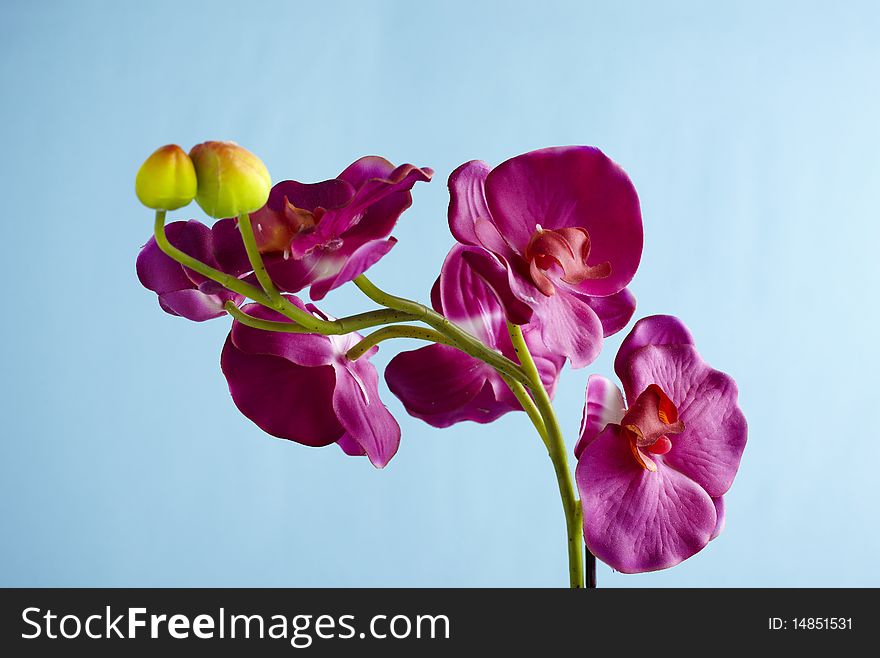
x: 637, y: 520
x: 614, y: 311
x: 466, y: 298
x: 571, y: 328
x: 347, y: 267
x: 329, y: 195
x: 307, y: 350
x: 284, y: 399
x: 652, y: 330
x: 503, y: 281
x: 366, y: 420
x: 365, y: 217
x: 436, y: 383
x: 604, y: 405
x: 350, y: 447
x: 161, y: 273
x: 228, y: 246
x: 192, y: 304
x: 467, y: 200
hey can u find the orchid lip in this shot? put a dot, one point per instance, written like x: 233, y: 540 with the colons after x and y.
x: 648, y: 423
x: 562, y: 253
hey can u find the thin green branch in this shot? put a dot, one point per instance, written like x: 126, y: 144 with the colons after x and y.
x: 396, y: 331
x: 346, y: 325
x: 460, y: 338
x: 528, y: 405
x: 277, y: 301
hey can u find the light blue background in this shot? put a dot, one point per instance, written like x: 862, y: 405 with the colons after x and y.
x: 750, y: 130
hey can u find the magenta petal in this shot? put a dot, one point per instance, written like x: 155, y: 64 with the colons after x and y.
x: 714, y: 437
x: 338, y: 269
x: 229, y: 251
x: 294, y: 274
x: 308, y: 350
x: 192, y: 304
x: 371, y: 213
x: 327, y: 194
x: 436, y: 383
x: 366, y: 168
x: 467, y: 200
x: 160, y: 273
x: 637, y: 520
x: 350, y: 447
x: 284, y: 399
x: 652, y: 330
x: 503, y: 281
x: 614, y: 311
x: 719, y: 515
x: 604, y: 405
x: 383, y: 197
x: 360, y: 411
x: 570, y: 328
x: 573, y: 186
x: 466, y: 298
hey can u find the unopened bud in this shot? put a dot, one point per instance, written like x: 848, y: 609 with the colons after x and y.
x: 166, y: 180
x: 231, y: 179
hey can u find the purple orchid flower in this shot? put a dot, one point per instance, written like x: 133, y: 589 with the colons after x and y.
x: 301, y: 387
x: 186, y: 293
x: 561, y: 231
x: 652, y: 476
x: 442, y: 385
x: 326, y: 234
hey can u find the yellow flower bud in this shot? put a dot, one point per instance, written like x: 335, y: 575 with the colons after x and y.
x: 232, y: 180
x: 166, y: 180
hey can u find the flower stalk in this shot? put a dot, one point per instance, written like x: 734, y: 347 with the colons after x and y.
x: 462, y: 339
x: 556, y: 449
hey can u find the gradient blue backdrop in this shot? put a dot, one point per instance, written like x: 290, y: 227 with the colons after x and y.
x: 751, y: 132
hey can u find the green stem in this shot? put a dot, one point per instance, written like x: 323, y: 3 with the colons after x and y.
x: 528, y: 405
x: 347, y: 324
x: 256, y: 259
x: 277, y: 301
x: 556, y: 448
x: 462, y: 339
x: 226, y: 280
x: 397, y: 331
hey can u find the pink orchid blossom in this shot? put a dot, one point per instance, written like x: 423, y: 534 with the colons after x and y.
x: 652, y: 475
x: 561, y: 237
x: 326, y: 234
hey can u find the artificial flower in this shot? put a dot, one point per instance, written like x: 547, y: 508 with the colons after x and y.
x: 652, y: 473
x: 560, y: 228
x: 325, y: 234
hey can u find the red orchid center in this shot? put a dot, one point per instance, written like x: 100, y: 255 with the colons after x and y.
x: 648, y: 423
x: 563, y: 254
x: 274, y: 229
